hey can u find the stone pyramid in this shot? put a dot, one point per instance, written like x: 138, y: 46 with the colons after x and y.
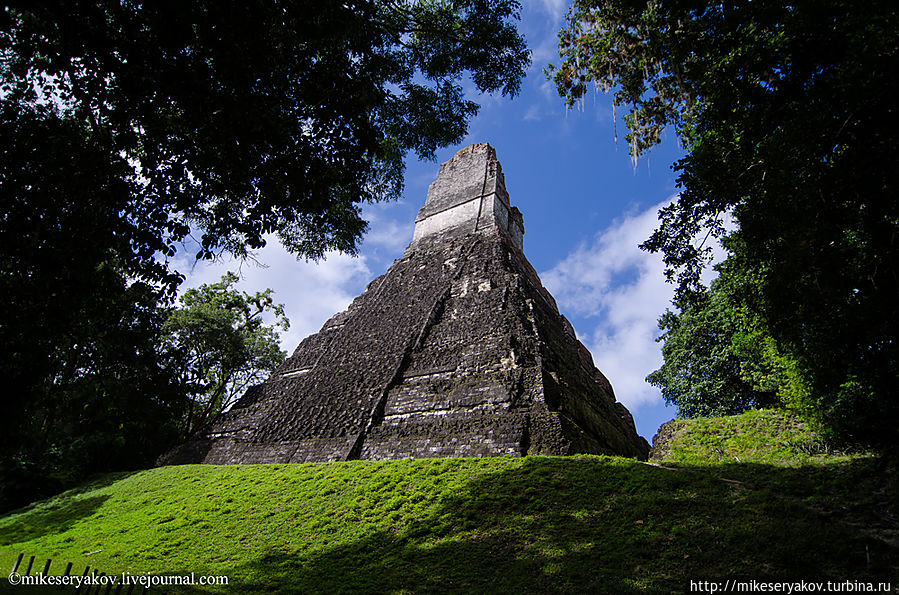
x: 456, y: 351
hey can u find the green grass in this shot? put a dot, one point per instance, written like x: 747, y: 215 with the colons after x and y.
x: 757, y: 436
x: 510, y: 525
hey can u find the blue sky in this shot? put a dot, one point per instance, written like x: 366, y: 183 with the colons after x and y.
x: 586, y: 207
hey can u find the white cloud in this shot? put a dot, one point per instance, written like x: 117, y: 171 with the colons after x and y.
x: 533, y: 114
x: 311, y: 292
x: 389, y: 228
x: 620, y: 290
x: 393, y: 235
x: 554, y: 8
x: 543, y: 52
x: 547, y: 90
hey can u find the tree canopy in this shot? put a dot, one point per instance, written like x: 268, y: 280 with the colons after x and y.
x: 787, y: 112
x: 242, y: 119
x: 132, y: 130
x: 222, y: 345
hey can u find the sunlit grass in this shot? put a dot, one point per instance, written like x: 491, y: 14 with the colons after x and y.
x: 537, y: 524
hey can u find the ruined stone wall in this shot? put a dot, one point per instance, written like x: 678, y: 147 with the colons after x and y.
x: 468, y: 196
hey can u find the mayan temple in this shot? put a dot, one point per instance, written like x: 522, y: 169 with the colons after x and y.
x: 456, y: 351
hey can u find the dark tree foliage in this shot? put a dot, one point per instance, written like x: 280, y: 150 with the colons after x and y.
x: 132, y: 129
x: 248, y: 118
x: 85, y: 386
x: 789, y: 117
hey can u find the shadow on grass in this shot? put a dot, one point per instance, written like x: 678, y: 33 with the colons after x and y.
x: 592, y: 525
x: 55, y: 514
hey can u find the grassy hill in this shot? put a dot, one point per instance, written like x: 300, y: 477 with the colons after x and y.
x: 752, y: 497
